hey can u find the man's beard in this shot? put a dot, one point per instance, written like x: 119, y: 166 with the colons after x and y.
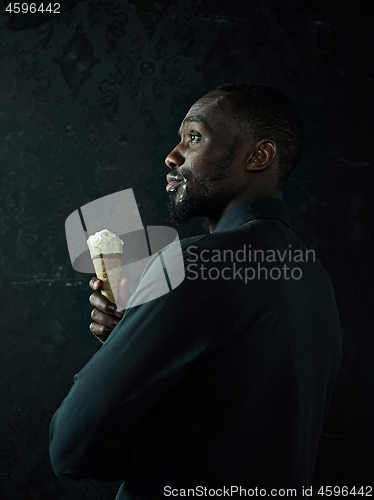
x: 199, y: 204
x: 184, y: 211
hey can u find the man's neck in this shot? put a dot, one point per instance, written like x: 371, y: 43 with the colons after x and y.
x: 213, y: 220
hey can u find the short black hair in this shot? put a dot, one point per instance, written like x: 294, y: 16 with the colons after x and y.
x: 265, y: 112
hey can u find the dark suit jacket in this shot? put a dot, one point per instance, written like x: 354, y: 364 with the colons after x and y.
x: 223, y: 381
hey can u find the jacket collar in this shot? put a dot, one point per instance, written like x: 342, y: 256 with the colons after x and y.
x: 258, y: 208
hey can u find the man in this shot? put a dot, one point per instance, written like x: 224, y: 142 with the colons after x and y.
x: 224, y: 382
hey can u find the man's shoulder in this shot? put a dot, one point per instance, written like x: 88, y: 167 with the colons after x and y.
x: 194, y: 241
x: 258, y: 231
x: 267, y: 239
x: 186, y: 242
x: 204, y: 242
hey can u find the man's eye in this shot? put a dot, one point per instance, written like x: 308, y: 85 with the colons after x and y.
x: 194, y: 136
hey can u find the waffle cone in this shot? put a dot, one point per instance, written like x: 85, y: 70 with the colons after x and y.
x: 109, y: 272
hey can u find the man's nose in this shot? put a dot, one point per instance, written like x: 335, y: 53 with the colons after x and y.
x: 174, y: 159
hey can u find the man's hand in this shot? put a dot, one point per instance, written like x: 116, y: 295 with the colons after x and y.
x: 105, y: 315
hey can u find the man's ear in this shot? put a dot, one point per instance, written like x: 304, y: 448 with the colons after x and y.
x: 261, y: 155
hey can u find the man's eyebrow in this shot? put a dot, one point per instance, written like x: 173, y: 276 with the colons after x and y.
x: 191, y: 119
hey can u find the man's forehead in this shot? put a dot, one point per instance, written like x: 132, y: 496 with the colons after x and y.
x: 207, y: 103
x: 206, y: 109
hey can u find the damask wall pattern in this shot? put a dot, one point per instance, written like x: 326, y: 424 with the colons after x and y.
x: 90, y: 103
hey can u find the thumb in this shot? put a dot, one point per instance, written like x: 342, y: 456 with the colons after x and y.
x: 123, y: 293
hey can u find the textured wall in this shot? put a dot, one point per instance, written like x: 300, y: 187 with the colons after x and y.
x: 90, y: 103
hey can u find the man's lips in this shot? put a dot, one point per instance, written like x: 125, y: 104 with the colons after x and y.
x: 172, y: 185
x: 174, y: 180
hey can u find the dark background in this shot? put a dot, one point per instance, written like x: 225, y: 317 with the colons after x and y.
x: 90, y: 104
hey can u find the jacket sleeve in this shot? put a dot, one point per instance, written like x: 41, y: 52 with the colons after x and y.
x: 145, y: 357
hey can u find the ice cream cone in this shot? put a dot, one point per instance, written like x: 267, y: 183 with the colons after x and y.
x: 106, y: 253
x: 108, y: 270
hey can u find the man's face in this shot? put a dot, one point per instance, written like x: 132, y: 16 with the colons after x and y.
x: 204, y: 165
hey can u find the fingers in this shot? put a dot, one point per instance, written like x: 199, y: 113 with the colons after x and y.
x: 105, y: 314
x: 101, y: 332
x: 104, y: 320
x: 103, y: 324
x: 95, y: 283
x: 102, y: 303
